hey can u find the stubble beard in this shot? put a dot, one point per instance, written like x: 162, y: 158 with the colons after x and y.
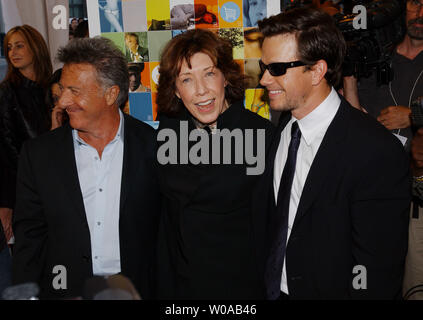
x: 414, y: 32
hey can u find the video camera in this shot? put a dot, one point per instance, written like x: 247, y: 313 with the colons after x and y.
x: 369, y: 50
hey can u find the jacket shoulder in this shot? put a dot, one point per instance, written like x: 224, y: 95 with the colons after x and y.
x: 137, y: 124
x: 46, y: 139
x: 140, y: 129
x: 6, y: 92
x: 255, y: 120
x: 370, y: 136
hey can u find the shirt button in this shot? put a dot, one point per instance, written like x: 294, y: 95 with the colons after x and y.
x: 101, y: 190
x: 98, y: 223
x: 96, y: 158
x: 95, y: 257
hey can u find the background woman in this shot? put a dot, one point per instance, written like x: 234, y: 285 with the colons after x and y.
x: 205, y: 249
x: 23, y: 113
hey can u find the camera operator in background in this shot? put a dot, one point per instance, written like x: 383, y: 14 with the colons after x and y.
x: 390, y: 105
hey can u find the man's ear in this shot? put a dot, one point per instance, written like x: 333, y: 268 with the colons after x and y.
x: 318, y: 71
x: 111, y: 95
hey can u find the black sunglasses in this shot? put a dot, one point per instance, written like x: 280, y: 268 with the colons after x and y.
x: 279, y: 68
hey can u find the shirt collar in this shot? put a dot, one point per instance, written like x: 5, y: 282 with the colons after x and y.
x: 119, y: 134
x: 320, y: 118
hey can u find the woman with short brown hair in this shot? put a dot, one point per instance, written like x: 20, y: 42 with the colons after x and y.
x: 205, y: 240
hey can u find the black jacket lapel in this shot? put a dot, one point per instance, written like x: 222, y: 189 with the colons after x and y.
x: 133, y: 160
x: 325, y: 160
x: 66, y: 155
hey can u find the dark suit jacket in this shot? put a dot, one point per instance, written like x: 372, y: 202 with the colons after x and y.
x: 50, y: 223
x: 353, y: 211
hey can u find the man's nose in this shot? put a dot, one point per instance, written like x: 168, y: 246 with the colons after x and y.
x: 266, y: 78
x: 65, y: 99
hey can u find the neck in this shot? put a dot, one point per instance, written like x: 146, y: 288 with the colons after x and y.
x: 28, y: 73
x: 409, y: 47
x: 315, y: 98
x: 100, y: 135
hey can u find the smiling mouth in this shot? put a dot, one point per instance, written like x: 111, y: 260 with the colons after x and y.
x: 70, y: 109
x: 205, y: 105
x: 275, y: 91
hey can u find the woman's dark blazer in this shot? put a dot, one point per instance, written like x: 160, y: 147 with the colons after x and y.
x: 205, y: 245
x: 23, y: 116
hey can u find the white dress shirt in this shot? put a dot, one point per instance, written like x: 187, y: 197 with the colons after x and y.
x: 313, y: 128
x: 100, y: 182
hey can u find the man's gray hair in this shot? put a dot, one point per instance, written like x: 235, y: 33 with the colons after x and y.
x: 105, y: 57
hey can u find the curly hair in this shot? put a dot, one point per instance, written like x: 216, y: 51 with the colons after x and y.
x: 105, y: 57
x: 41, y: 56
x: 181, y: 48
x: 317, y: 38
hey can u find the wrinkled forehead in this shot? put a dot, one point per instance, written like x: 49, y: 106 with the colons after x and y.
x: 188, y: 61
x: 83, y: 73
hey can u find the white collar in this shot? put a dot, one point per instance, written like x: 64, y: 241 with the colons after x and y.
x: 320, y: 118
x: 119, y: 133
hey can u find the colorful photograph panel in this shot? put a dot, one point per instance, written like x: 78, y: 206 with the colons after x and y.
x: 110, y: 15
x: 140, y: 106
x: 158, y: 15
x: 252, y: 72
x: 230, y: 13
x: 252, y: 38
x: 136, y: 46
x: 206, y: 14
x: 182, y: 14
x: 236, y: 37
x: 118, y: 38
x: 156, y: 42
x: 138, y: 83
x: 254, y: 10
x: 255, y: 101
x: 134, y: 15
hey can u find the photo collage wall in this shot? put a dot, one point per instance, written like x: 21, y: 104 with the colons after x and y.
x: 141, y: 28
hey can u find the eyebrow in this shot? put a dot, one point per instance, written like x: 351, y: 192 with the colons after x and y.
x: 16, y: 42
x: 205, y: 69
x: 69, y: 87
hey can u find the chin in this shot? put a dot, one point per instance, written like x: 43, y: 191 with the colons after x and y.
x: 206, y: 120
x: 74, y: 123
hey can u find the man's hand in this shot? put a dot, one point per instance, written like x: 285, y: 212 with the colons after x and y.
x: 6, y: 220
x: 395, y: 117
x: 57, y: 116
x: 417, y: 153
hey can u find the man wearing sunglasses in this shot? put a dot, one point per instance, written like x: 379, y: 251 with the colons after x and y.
x: 330, y: 223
